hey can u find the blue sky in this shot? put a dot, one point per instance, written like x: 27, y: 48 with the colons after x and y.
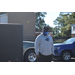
x: 50, y: 17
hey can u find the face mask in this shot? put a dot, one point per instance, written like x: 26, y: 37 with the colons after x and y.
x: 45, y: 33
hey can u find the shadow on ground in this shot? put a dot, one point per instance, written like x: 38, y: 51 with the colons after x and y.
x: 55, y: 60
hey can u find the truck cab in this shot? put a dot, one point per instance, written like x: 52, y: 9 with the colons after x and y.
x: 65, y: 50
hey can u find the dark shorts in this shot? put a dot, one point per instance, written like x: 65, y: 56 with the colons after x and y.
x: 43, y: 58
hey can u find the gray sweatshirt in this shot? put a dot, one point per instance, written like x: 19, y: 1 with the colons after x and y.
x: 44, y: 45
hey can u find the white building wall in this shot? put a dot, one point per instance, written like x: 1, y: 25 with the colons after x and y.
x: 4, y: 18
x: 73, y: 29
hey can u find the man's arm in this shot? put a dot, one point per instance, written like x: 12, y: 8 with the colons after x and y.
x: 52, y: 46
x: 37, y: 46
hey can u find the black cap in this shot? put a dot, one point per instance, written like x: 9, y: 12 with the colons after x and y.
x: 46, y: 28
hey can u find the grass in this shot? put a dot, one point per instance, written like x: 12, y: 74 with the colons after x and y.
x: 59, y: 40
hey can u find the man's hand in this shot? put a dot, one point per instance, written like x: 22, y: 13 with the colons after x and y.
x: 52, y: 55
x: 37, y: 56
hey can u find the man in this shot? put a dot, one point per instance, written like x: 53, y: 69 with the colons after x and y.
x: 44, y: 48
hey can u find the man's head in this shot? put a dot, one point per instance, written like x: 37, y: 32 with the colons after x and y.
x: 45, y: 31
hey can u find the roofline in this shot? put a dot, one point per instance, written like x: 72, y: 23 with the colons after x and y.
x: 41, y: 32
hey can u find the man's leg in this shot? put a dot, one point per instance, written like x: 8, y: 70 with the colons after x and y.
x: 41, y: 58
x: 48, y: 58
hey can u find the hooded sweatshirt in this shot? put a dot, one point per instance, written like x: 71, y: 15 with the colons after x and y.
x: 44, y: 45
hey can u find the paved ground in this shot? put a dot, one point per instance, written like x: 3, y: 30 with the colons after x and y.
x: 55, y: 60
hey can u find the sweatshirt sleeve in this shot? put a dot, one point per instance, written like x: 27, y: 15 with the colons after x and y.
x: 52, y: 46
x: 37, y: 42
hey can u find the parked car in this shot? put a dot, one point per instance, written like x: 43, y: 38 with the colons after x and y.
x: 28, y: 51
x: 65, y: 50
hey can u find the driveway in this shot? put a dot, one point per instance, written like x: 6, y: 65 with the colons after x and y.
x: 55, y: 60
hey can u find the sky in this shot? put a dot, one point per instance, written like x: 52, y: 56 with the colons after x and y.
x: 50, y: 17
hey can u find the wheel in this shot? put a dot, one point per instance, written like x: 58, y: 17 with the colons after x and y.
x: 30, y: 56
x: 66, y: 56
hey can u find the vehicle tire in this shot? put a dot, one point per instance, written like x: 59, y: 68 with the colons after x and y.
x: 66, y: 56
x: 30, y: 56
